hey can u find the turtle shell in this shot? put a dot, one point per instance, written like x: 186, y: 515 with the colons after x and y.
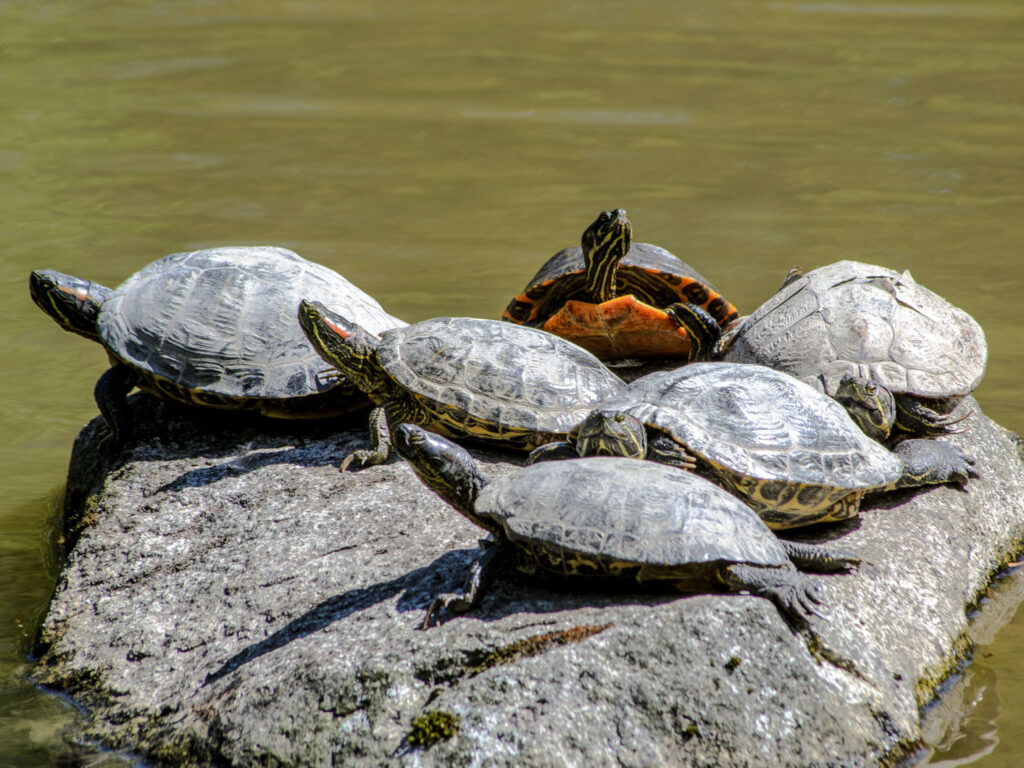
x: 866, y: 321
x: 608, y: 515
x: 496, y: 380
x: 218, y: 325
x: 788, y: 448
x: 621, y: 327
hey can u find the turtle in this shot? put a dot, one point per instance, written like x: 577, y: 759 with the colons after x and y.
x: 619, y: 518
x: 212, y: 327
x: 623, y: 300
x: 898, y: 356
x: 791, y: 452
x: 464, y: 377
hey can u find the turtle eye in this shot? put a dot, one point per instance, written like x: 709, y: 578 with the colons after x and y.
x: 606, y: 215
x: 620, y: 418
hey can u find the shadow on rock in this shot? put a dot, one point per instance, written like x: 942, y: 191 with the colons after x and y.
x: 340, y: 607
x: 252, y: 459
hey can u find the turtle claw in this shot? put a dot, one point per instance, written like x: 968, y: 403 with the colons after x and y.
x: 362, y: 458
x: 800, y: 601
x: 457, y: 602
x: 808, y: 598
x: 439, y: 602
x: 964, y: 470
x: 917, y: 418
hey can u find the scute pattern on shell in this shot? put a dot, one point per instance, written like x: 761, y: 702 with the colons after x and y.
x: 868, y: 321
x: 223, y: 320
x: 498, y: 372
x: 616, y: 509
x: 761, y: 424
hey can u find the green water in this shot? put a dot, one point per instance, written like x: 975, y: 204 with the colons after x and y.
x: 437, y: 153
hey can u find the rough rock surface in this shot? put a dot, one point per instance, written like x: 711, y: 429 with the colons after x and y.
x: 230, y: 598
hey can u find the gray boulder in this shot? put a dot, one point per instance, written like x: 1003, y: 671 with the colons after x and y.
x: 230, y: 599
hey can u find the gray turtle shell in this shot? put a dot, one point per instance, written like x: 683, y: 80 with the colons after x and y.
x: 222, y: 321
x: 867, y: 321
x: 497, y: 373
x: 628, y: 512
x: 761, y: 424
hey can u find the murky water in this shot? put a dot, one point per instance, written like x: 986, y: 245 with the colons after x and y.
x: 436, y: 153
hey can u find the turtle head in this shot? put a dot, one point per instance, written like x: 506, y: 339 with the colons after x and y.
x: 611, y: 433
x: 444, y: 467
x: 73, y: 302
x: 346, y: 345
x: 870, y: 405
x: 604, y: 244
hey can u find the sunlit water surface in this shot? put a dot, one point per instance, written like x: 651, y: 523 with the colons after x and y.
x: 437, y: 153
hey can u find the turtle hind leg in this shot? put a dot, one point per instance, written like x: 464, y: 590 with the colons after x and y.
x: 794, y: 594
x: 933, y: 462
x: 481, y: 574
x: 700, y: 326
x: 111, y: 395
x: 819, y: 559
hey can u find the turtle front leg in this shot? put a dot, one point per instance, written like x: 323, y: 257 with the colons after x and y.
x: 932, y: 462
x: 700, y: 326
x: 553, y: 452
x: 481, y: 574
x: 380, y: 443
x: 916, y: 418
x: 664, y: 449
x: 111, y: 395
x: 794, y: 594
x: 818, y: 558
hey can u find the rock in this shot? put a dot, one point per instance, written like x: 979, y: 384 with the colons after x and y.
x: 230, y: 598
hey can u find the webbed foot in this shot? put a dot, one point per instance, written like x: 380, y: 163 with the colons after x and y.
x: 818, y: 558
x: 933, y: 462
x: 363, y: 458
x: 795, y: 595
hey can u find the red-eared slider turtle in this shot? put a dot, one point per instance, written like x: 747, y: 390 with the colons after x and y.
x: 214, y: 327
x: 615, y: 517
x: 621, y: 299
x: 787, y: 449
x: 898, y: 356
x: 462, y: 377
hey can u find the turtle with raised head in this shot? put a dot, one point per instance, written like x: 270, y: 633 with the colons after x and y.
x: 214, y: 328
x: 791, y: 452
x: 621, y: 299
x: 464, y: 377
x: 896, y: 355
x: 613, y: 517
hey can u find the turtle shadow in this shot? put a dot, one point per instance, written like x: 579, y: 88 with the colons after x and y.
x: 412, y: 586
x: 512, y: 593
x: 250, y: 459
x: 180, y: 431
x: 242, y: 441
